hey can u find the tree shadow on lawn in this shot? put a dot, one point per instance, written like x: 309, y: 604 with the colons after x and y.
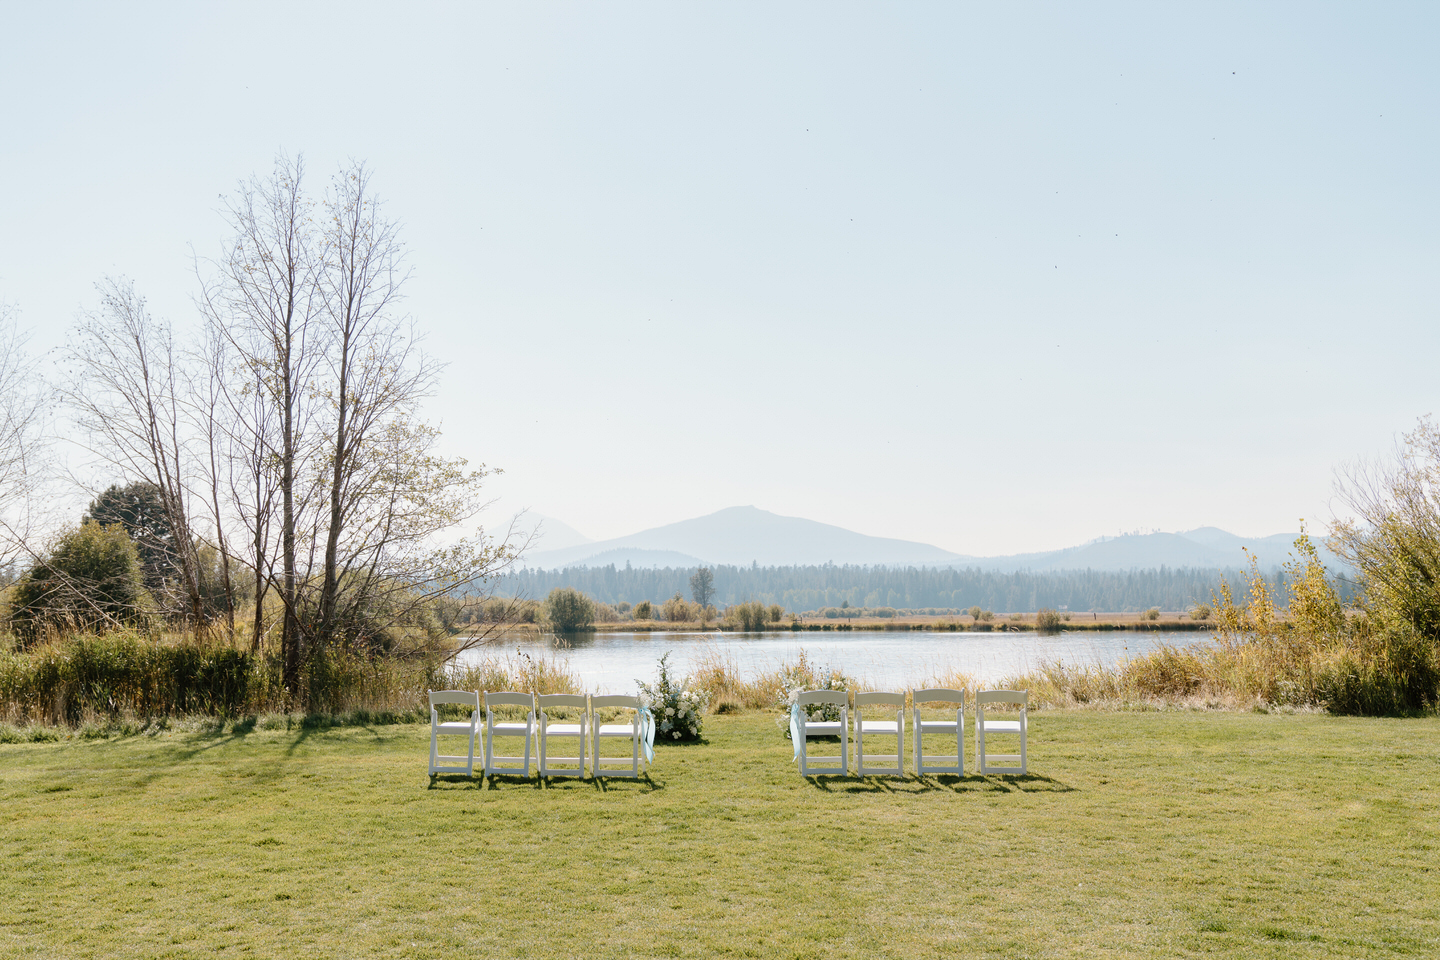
x: 199, y: 743
x: 932, y: 783
x: 202, y: 742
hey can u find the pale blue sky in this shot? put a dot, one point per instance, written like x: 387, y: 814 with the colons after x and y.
x: 994, y: 277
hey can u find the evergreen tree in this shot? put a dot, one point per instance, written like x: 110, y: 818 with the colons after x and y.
x: 702, y: 586
x: 137, y: 508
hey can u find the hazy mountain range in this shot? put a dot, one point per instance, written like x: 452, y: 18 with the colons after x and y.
x: 743, y: 536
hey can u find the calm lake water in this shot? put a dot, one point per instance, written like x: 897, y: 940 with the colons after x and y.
x: 612, y: 662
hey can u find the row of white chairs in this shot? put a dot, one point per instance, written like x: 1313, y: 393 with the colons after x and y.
x: 893, y: 764
x: 541, y: 731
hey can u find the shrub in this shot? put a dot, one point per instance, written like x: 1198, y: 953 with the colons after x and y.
x: 974, y: 613
x: 1017, y: 616
x: 511, y: 610
x: 1201, y: 612
x: 1395, y: 671
x: 644, y: 610
x: 90, y: 579
x: 569, y: 610
x: 604, y: 613
x: 678, y: 709
x: 749, y: 616
x: 1152, y: 614
x: 774, y: 613
x: 1047, y: 621
x: 677, y: 610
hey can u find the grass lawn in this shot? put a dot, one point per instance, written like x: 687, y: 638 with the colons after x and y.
x: 1144, y: 834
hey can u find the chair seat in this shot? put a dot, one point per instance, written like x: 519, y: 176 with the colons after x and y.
x: 824, y: 728
x: 563, y: 730
x: 453, y: 727
x: 616, y: 730
x: 879, y: 726
x: 513, y: 727
x: 946, y: 725
x: 1002, y: 726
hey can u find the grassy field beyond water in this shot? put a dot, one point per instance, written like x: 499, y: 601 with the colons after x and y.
x: 1137, y: 834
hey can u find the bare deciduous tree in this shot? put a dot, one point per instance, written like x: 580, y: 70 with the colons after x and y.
x: 24, y: 449
x: 326, y: 379
x: 126, y: 388
x: 264, y: 305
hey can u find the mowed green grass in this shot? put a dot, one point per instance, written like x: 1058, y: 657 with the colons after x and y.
x: 1145, y: 834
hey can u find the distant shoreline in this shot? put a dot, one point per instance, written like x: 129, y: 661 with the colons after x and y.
x: 1171, y: 623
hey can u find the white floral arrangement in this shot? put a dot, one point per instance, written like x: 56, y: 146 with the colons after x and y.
x: 678, y: 710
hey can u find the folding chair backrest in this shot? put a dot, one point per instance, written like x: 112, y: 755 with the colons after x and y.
x: 839, y: 698
x: 937, y: 695
x: 621, y: 700
x: 888, y: 699
x: 1002, y: 696
x: 469, y: 698
x: 983, y: 726
x: 508, y: 699
x: 949, y: 724
x: 550, y: 701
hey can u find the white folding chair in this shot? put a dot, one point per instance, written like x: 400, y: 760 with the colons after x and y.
x: 984, y: 727
x: 891, y: 765
x: 946, y: 763
x: 453, y: 728
x: 639, y: 731
x: 549, y: 730
x: 802, y: 727
x: 508, y: 728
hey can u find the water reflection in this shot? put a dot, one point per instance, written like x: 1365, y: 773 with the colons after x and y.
x: 612, y: 662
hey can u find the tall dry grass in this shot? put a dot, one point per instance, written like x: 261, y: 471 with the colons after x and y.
x: 717, y: 673
x: 86, y: 679
x: 519, y: 672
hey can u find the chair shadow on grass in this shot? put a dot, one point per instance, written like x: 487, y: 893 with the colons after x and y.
x: 606, y: 784
x: 454, y: 781
x: 500, y: 781
x: 939, y: 782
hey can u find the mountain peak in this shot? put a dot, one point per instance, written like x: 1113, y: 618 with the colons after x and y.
x: 743, y: 535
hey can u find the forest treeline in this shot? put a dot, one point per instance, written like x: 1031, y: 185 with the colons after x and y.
x: 801, y: 588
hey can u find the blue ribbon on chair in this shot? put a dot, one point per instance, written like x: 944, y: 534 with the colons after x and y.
x: 647, y: 733
x: 795, y: 729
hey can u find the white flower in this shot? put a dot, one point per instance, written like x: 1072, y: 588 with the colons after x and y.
x: 669, y: 711
x: 677, y: 734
